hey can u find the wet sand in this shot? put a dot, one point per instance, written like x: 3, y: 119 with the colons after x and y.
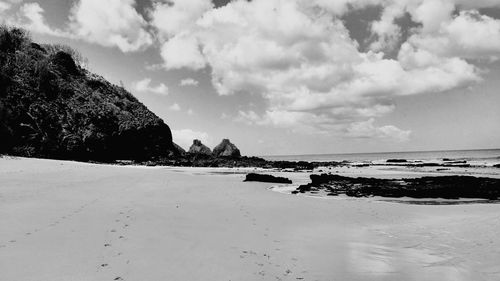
x: 76, y: 221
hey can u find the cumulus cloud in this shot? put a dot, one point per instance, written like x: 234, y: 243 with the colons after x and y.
x: 174, y: 16
x: 31, y: 17
x: 299, y: 56
x: 182, y: 51
x: 366, y: 129
x: 447, y: 28
x: 189, y: 82
x: 118, y: 24
x: 144, y: 85
x: 466, y: 35
x: 185, y: 137
x: 4, y: 6
x: 7, y: 4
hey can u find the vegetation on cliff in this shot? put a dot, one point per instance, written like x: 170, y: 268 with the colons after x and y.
x: 50, y: 106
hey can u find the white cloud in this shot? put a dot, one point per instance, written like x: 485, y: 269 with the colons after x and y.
x: 185, y: 137
x: 175, y: 15
x: 4, y: 6
x: 182, y: 51
x: 189, y: 82
x: 30, y: 16
x: 144, y: 85
x: 299, y: 56
x: 175, y: 107
x: 367, y: 129
x: 7, y: 4
x: 117, y: 23
x: 466, y: 35
x: 190, y: 112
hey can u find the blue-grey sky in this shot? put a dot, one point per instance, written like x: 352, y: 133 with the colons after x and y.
x: 294, y: 76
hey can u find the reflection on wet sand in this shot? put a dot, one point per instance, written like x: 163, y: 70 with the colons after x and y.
x: 379, y: 262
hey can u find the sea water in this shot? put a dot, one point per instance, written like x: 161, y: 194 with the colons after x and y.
x: 486, y: 157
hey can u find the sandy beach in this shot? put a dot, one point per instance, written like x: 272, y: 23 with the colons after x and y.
x: 76, y: 221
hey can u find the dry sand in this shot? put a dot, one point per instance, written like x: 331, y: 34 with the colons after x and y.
x: 75, y: 221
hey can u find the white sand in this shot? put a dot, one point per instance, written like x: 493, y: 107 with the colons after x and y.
x: 65, y: 220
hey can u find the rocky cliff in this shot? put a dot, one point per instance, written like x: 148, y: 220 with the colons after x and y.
x: 50, y: 106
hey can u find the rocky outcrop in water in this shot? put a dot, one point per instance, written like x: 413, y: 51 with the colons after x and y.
x: 447, y: 187
x: 226, y: 149
x: 199, y: 148
x: 266, y: 178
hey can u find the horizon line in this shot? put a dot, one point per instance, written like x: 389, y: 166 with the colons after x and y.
x: 380, y: 152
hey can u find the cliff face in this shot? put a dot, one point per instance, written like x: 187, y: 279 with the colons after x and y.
x: 51, y: 107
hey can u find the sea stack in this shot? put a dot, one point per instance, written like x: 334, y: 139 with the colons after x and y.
x: 198, y: 148
x: 226, y: 149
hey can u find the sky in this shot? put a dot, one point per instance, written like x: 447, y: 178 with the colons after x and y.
x: 282, y: 77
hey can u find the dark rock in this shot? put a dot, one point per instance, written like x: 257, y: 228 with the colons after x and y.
x: 266, y: 178
x: 396, y: 161
x: 226, y: 149
x: 65, y: 63
x: 455, y: 162
x: 38, y: 47
x: 198, y: 148
x: 496, y: 166
x: 448, y: 187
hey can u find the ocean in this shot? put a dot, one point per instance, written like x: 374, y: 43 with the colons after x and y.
x: 486, y: 157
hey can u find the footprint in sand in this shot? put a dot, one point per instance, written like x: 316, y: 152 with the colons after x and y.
x: 118, y: 278
x: 104, y: 265
x: 107, y: 245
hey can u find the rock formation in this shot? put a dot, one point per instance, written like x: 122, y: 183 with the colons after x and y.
x: 266, y: 178
x: 226, y: 149
x: 447, y: 187
x: 198, y: 148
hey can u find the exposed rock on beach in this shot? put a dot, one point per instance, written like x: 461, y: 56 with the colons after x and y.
x: 447, y: 187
